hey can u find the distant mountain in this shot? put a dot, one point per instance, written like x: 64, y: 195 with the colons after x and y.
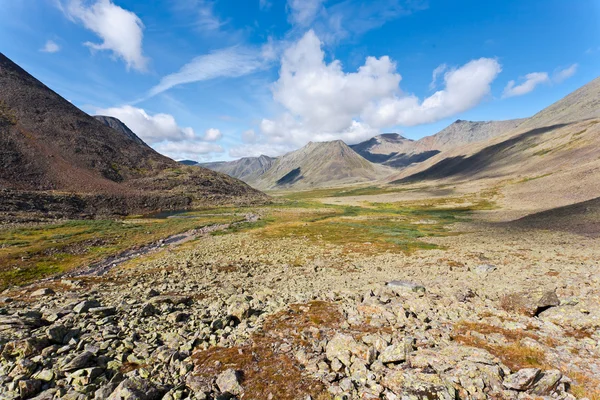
x: 247, y: 169
x: 119, y: 126
x: 549, y: 160
x: 188, y: 162
x: 462, y: 132
x: 382, y: 147
x: 396, y: 151
x: 318, y: 165
x: 87, y: 166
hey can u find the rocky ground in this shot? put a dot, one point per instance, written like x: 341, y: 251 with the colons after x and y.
x: 495, y: 314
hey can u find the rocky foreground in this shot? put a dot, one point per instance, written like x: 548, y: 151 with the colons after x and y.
x: 211, y: 323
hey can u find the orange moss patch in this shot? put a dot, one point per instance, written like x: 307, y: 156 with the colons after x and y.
x: 264, y: 367
x: 517, y: 356
x: 264, y: 371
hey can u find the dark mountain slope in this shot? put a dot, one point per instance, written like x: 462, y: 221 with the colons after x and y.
x: 117, y: 125
x: 48, y: 144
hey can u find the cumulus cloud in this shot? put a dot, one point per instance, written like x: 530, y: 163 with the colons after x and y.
x: 50, y: 47
x: 323, y: 102
x: 464, y: 88
x: 231, y: 62
x: 212, y: 135
x: 150, y: 128
x: 564, y: 74
x: 190, y: 150
x: 530, y: 81
x: 121, y: 30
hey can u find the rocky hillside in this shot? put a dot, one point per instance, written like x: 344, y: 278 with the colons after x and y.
x: 47, y: 144
x: 548, y: 161
x: 382, y: 147
x: 247, y: 169
x: 117, y: 125
x: 460, y: 133
x: 317, y: 165
x: 396, y: 151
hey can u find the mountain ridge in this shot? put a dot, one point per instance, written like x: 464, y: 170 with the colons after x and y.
x: 49, y: 145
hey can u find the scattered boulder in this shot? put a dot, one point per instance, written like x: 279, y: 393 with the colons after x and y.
x: 485, y: 268
x: 43, y: 292
x: 135, y: 389
x: 85, y: 306
x: 530, y: 303
x: 522, y: 380
x: 228, y: 381
x: 405, y: 286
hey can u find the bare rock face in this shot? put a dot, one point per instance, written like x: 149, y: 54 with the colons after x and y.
x: 530, y: 303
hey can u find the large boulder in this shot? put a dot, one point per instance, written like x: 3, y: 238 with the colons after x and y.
x: 530, y: 303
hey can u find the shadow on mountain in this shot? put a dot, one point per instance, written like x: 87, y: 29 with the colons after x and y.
x: 579, y: 218
x: 290, y: 178
x: 463, y: 166
x: 403, y: 160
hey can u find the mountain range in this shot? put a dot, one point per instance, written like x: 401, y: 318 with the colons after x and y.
x: 335, y: 163
x: 55, y: 157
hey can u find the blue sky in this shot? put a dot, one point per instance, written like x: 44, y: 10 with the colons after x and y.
x: 218, y: 80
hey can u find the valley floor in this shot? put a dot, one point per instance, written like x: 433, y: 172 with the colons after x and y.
x: 299, y: 304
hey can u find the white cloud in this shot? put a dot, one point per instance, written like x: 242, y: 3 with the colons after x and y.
x: 258, y: 149
x: 303, y: 12
x: 352, y: 18
x: 150, y: 128
x: 212, y: 135
x: 50, y: 47
x: 436, y: 73
x: 121, y: 30
x: 207, y: 20
x: 564, y: 74
x: 531, y: 80
x: 323, y: 102
x: 249, y: 136
x: 464, y: 88
x: 323, y: 96
x: 190, y: 150
x: 231, y: 62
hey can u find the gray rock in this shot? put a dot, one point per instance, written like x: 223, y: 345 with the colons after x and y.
x: 148, y: 310
x: 135, y: 389
x: 85, y: 305
x: 228, y: 381
x: 103, y: 311
x: 484, y: 268
x: 43, y: 292
x: 405, y: 286
x: 79, y: 362
x: 394, y: 353
x: 45, y: 375
x: 547, y: 383
x: 240, y: 310
x: 56, y: 333
x: 530, y: 303
x: 521, y: 380
x: 29, y: 388
x: 339, y: 347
